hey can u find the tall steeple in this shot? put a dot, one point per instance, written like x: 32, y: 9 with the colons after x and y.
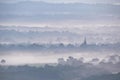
x: 84, y: 42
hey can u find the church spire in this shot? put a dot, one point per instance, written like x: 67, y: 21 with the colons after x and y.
x: 84, y: 42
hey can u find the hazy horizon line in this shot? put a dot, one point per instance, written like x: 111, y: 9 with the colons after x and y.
x: 61, y: 2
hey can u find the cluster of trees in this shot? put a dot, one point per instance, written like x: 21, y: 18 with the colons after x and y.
x: 110, y: 63
x: 60, y: 47
x: 70, y: 69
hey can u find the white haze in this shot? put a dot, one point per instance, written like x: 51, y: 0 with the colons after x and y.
x: 22, y: 58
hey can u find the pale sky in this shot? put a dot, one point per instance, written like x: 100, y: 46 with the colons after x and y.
x: 47, y: 14
x: 69, y: 1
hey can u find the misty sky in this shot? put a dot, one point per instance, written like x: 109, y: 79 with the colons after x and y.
x: 55, y: 13
x: 69, y: 1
